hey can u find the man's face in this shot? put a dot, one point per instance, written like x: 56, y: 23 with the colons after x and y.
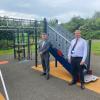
x: 77, y: 34
x: 44, y: 37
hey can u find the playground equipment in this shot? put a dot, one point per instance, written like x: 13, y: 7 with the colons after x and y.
x: 60, y: 40
x: 59, y: 37
x: 24, y: 35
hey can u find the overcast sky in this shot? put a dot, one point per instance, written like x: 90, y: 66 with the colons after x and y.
x: 63, y: 10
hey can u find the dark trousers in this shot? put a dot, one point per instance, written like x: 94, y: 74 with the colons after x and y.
x: 45, y: 64
x: 77, y: 69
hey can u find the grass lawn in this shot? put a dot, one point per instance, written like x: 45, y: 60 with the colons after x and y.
x: 10, y: 51
x: 95, y: 49
x: 6, y: 52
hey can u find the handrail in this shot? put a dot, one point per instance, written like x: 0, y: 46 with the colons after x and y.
x: 59, y: 34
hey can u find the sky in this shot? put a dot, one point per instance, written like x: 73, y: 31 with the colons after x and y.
x: 63, y: 10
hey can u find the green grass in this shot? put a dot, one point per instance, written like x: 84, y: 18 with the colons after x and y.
x: 95, y: 49
x: 6, y: 52
x: 10, y: 51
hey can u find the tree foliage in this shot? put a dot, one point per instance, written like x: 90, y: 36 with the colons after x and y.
x: 90, y: 27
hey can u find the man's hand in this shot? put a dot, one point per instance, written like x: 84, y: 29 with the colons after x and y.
x: 81, y: 63
x: 69, y: 60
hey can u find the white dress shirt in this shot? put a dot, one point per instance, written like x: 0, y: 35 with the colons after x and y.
x: 80, y: 49
x: 43, y: 44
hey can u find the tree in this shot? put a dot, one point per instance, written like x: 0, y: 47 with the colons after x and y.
x: 90, y: 27
x: 74, y: 23
x: 53, y: 22
x: 96, y: 15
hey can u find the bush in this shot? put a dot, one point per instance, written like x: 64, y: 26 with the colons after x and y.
x: 4, y: 44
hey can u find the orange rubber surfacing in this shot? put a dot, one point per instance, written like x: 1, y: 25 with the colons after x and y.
x: 61, y: 73
x: 3, y: 62
x: 1, y: 97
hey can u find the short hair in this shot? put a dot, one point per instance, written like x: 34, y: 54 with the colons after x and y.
x: 43, y: 34
x: 77, y: 31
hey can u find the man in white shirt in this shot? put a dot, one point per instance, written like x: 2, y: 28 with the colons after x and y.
x: 76, y: 56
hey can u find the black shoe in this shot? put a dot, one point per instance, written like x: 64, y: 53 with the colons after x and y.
x: 82, y: 86
x: 47, y: 76
x: 43, y: 74
x: 72, y: 83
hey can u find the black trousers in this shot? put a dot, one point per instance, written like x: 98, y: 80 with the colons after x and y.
x: 77, y: 69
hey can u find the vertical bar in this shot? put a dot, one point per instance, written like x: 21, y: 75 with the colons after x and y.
x: 36, y: 44
x: 89, y: 58
x: 14, y: 46
x: 56, y: 63
x: 45, y: 25
x: 28, y: 46
x: 18, y: 36
x: 55, y: 59
x: 23, y: 43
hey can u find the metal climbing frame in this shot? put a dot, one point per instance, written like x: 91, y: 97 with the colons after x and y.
x: 23, y: 29
x: 26, y: 33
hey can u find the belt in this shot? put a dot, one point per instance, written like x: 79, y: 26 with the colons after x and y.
x: 76, y: 57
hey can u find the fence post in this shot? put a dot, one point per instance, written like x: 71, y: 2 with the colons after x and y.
x: 36, y: 44
x: 89, y: 59
x: 18, y: 41
x: 14, y: 46
x: 28, y: 46
x: 45, y: 25
x: 23, y: 39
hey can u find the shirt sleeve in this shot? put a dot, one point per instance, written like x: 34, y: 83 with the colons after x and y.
x: 84, y: 52
x: 69, y: 51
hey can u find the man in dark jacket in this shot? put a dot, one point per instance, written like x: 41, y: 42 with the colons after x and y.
x: 44, y: 46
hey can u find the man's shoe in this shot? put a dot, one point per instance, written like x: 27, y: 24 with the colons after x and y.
x: 47, y: 76
x: 72, y: 83
x: 43, y: 74
x: 82, y: 86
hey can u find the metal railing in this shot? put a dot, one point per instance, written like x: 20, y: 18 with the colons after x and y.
x: 60, y: 41
x: 59, y: 34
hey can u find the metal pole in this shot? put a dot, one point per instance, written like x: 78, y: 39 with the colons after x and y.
x: 89, y: 58
x: 4, y: 86
x: 14, y: 46
x: 18, y: 37
x: 36, y: 44
x: 23, y: 42
x: 45, y: 25
x: 56, y: 63
x: 55, y: 59
x: 28, y: 46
